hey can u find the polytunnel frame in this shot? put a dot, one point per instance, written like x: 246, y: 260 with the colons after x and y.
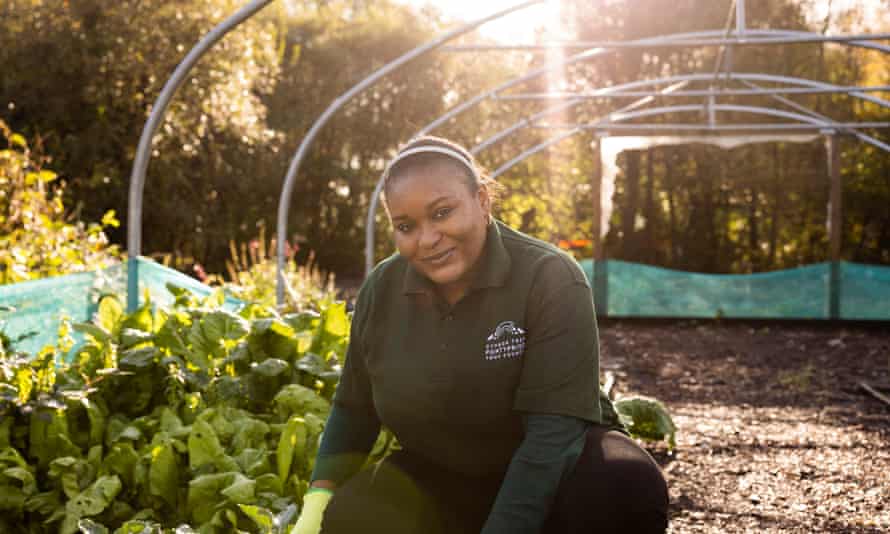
x: 143, y: 152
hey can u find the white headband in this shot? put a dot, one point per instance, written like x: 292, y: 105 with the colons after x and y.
x: 453, y: 154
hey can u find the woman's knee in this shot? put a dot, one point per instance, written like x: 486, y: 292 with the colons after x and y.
x: 616, y: 486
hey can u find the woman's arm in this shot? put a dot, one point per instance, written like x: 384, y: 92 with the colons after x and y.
x: 348, y: 437
x: 548, y: 453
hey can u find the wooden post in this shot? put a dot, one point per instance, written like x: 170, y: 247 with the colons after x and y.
x: 835, y: 221
x: 600, y: 274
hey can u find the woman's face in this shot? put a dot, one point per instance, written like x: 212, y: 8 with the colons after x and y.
x: 439, y: 224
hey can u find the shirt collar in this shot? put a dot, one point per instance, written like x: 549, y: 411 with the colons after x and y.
x: 494, y: 265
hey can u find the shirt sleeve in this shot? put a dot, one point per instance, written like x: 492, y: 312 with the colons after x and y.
x: 353, y: 425
x: 560, y: 371
x: 354, y: 389
x: 549, y: 451
x: 347, y: 439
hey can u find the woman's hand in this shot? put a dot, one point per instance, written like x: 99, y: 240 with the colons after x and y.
x: 314, y: 503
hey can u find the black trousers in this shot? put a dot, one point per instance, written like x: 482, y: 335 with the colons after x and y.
x: 616, y: 487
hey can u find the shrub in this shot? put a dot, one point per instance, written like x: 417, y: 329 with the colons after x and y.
x: 37, y: 236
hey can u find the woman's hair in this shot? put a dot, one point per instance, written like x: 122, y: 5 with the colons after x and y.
x: 425, y: 152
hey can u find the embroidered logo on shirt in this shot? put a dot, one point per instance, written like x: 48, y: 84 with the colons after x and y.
x: 507, y: 341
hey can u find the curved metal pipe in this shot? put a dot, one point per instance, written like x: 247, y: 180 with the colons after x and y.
x: 289, y: 180
x: 778, y: 37
x: 143, y: 150
x: 651, y: 41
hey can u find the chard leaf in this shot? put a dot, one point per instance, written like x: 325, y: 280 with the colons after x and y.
x: 269, y: 483
x: 241, y: 490
x: 647, y: 419
x: 311, y: 363
x: 203, y: 495
x: 132, y: 336
x: 122, y: 460
x: 163, y: 474
x: 97, y: 333
x: 253, y: 462
x: 336, y: 320
x: 250, y: 433
x: 291, y: 443
x: 93, y: 500
x: 220, y: 324
x: 88, y: 526
x: 205, y: 448
x: 139, y: 321
x: 263, y: 518
x: 138, y: 359
x: 44, y: 503
x: 110, y: 312
x: 297, y: 399
x: 12, y: 498
x: 271, y: 367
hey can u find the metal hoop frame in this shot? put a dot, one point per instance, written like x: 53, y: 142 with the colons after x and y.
x: 805, y: 117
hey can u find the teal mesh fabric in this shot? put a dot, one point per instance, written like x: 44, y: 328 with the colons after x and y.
x: 864, y: 291
x: 634, y: 290
x: 38, y: 306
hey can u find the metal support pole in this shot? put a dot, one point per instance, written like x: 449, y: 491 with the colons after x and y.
x: 143, y: 151
x: 835, y: 221
x: 600, y: 280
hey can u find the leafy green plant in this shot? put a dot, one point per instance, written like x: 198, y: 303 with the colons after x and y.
x: 37, y: 239
x: 166, y: 417
x: 647, y: 419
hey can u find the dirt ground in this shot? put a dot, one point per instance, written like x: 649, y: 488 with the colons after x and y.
x: 774, y: 432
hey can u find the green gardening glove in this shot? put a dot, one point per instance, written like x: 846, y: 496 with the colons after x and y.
x: 314, y: 503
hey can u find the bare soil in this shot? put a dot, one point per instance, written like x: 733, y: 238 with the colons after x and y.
x: 774, y: 432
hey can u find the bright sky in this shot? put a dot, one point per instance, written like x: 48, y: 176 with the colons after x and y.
x: 519, y: 27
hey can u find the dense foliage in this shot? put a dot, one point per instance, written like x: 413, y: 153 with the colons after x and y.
x: 190, y: 415
x: 81, y: 77
x: 37, y: 239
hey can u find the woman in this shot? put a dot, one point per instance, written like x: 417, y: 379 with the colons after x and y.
x: 477, y: 346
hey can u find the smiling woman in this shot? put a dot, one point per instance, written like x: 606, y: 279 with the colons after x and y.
x: 476, y: 345
x: 439, y: 210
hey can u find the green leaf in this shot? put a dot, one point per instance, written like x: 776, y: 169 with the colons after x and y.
x: 312, y: 363
x: 44, y: 503
x: 133, y: 336
x: 204, y: 448
x: 138, y: 359
x: 203, y: 495
x: 297, y: 399
x: 271, y: 367
x: 94, y: 499
x: 262, y: 517
x: 241, y: 490
x: 220, y: 324
x: 292, y: 442
x: 647, y: 419
x: 110, y: 312
x: 122, y: 460
x: 88, y: 526
x: 163, y: 474
x: 336, y: 320
x: 99, y: 334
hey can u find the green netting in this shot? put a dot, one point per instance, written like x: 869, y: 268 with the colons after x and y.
x: 864, y: 291
x: 39, y: 305
x: 634, y: 290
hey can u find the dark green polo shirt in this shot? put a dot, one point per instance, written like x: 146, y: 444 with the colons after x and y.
x: 452, y: 382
